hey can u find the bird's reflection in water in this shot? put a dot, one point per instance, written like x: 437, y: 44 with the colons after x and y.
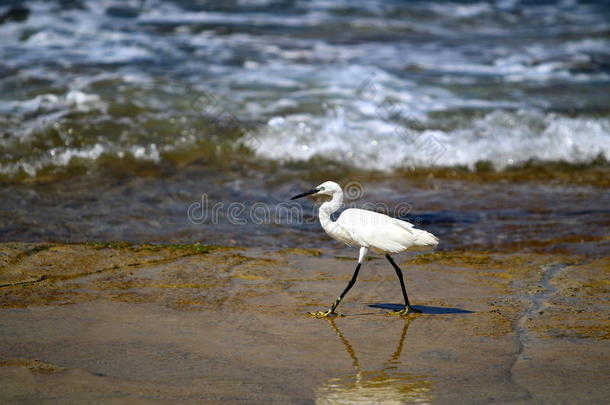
x: 387, y: 385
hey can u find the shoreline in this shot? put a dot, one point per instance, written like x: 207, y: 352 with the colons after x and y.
x: 558, y: 173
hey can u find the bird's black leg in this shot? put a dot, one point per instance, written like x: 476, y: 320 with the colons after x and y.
x: 331, y: 310
x: 408, y: 307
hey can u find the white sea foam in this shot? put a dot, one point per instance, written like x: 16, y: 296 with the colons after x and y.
x: 73, y: 100
x: 62, y: 157
x: 501, y: 137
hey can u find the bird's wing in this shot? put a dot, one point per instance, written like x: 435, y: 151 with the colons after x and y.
x: 356, y: 218
x: 372, y: 229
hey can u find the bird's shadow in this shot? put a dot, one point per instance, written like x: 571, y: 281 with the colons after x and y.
x: 425, y: 309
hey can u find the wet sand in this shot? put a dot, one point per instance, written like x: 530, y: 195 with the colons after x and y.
x: 114, y: 323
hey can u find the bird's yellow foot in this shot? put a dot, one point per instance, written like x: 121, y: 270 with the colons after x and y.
x: 324, y: 314
x: 406, y: 311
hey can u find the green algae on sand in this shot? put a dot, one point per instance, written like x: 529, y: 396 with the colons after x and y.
x: 213, y: 318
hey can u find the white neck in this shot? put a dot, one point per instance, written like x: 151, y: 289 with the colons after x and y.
x: 329, y: 207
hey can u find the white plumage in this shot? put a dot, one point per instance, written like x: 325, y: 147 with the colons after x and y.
x: 357, y: 227
x: 368, y: 230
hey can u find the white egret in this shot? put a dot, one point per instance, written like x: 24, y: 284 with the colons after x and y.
x: 368, y: 230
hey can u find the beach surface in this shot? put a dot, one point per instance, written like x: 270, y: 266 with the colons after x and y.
x: 116, y: 323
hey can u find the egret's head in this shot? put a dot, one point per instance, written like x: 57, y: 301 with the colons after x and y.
x: 327, y: 188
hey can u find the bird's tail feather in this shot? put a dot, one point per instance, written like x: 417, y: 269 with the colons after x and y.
x: 424, y: 238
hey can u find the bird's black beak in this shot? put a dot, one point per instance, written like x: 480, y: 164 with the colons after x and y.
x: 312, y: 191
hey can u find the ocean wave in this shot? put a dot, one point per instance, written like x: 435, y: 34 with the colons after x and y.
x: 376, y: 84
x: 504, y: 138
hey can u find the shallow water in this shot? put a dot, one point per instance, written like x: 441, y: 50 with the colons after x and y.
x: 195, y: 206
x: 118, y: 118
